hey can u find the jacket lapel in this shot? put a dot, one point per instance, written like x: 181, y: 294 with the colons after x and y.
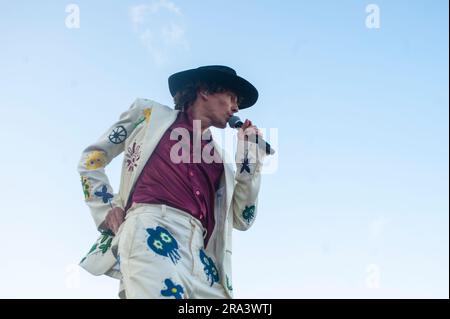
x: 229, y: 175
x: 160, y: 120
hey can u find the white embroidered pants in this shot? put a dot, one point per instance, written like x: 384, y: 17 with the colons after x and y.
x: 162, y: 255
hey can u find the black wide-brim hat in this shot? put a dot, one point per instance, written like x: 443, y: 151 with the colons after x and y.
x: 219, y: 74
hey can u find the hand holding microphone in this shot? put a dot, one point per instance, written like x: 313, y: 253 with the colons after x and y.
x: 252, y: 132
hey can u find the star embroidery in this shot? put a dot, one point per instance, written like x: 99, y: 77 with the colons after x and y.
x: 245, y: 166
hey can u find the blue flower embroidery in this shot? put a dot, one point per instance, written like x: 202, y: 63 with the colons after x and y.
x: 106, y: 197
x: 210, y: 269
x: 163, y: 243
x: 249, y: 213
x: 172, y: 290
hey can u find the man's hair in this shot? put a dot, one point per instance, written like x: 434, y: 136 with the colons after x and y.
x: 188, y: 94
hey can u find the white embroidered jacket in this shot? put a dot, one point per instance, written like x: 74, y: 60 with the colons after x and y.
x: 138, y: 132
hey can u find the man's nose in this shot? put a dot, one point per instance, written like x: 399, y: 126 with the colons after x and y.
x: 234, y: 108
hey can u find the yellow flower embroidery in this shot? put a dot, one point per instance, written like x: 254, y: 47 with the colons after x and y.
x: 95, y: 159
x: 147, y: 113
x: 86, y: 187
x: 146, y: 117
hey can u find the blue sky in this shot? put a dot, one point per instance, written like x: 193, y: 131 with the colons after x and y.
x: 358, y: 204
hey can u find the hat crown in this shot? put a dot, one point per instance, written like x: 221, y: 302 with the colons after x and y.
x: 221, y: 68
x: 220, y: 74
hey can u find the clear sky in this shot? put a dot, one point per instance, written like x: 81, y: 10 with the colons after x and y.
x: 358, y: 203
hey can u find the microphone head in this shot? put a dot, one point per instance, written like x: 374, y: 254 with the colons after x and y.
x: 235, y: 122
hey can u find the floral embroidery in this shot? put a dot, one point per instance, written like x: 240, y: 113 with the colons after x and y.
x: 93, y: 248
x: 105, y: 241
x: 103, y: 244
x: 95, y: 159
x: 163, y: 243
x: 172, y: 290
x: 145, y: 117
x: 147, y: 113
x: 86, y: 187
x: 133, y: 156
x: 118, y: 135
x: 106, y: 197
x: 212, y: 274
x: 249, y: 213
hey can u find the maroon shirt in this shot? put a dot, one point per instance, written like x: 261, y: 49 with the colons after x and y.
x: 189, y: 186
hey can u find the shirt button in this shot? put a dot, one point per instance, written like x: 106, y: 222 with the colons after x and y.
x: 191, y: 173
x: 197, y: 193
x: 201, y: 216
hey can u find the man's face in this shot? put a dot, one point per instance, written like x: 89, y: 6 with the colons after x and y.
x: 220, y: 107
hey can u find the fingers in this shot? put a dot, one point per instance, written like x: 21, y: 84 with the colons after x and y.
x: 114, y: 225
x: 253, y: 130
x: 114, y: 219
x: 249, y: 129
x: 246, y: 124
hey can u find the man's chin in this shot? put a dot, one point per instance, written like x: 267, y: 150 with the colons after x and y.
x: 222, y: 125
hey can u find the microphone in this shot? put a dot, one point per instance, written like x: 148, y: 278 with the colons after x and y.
x: 235, y: 122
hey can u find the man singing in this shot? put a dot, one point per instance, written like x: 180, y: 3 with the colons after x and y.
x: 167, y: 233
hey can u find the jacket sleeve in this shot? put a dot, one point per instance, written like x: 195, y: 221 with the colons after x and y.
x: 249, y: 162
x: 98, y: 193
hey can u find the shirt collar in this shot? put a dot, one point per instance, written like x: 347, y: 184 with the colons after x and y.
x: 185, y: 120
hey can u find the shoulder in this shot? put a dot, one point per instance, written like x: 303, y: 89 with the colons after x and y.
x: 143, y: 103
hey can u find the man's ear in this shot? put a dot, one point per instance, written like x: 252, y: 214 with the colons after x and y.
x: 204, y: 94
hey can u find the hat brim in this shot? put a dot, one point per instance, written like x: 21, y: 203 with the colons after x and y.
x: 237, y: 84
